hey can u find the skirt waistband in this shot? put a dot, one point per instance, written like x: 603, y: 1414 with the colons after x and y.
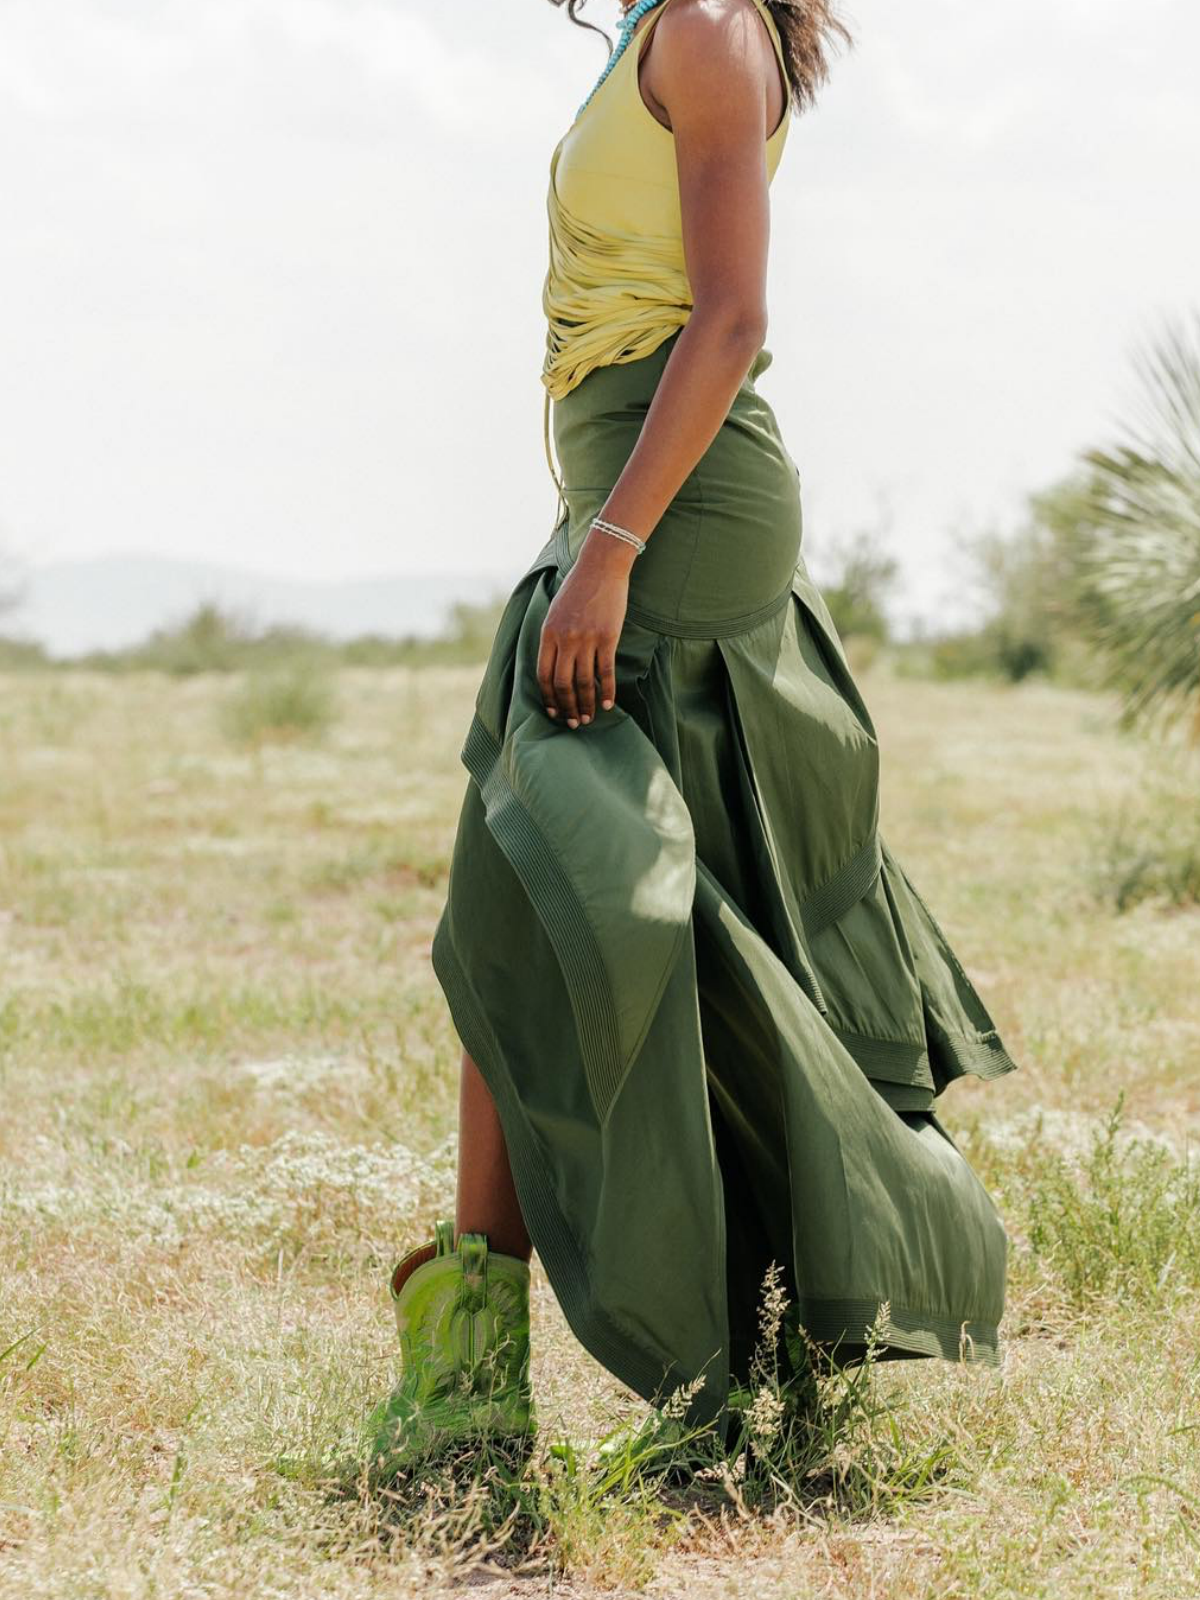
x: 724, y: 553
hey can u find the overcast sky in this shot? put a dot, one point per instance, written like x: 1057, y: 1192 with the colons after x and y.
x: 271, y: 270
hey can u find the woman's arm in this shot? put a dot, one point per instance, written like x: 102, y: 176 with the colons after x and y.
x: 721, y: 90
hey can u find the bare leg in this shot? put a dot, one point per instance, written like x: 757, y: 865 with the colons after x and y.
x: 487, y: 1200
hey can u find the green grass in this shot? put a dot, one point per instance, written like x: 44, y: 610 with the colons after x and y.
x: 229, y: 1084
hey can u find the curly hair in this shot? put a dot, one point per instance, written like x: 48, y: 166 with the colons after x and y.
x: 809, y: 30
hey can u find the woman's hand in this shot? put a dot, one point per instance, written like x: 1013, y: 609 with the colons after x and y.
x: 581, y: 630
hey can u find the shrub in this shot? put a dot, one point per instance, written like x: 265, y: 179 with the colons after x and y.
x: 22, y: 654
x: 209, y: 640
x: 1120, y: 1222
x: 1126, y: 1225
x: 856, y: 576
x: 281, y: 704
x: 1138, y: 552
x: 1149, y: 849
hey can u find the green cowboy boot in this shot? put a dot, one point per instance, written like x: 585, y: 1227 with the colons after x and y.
x: 463, y: 1318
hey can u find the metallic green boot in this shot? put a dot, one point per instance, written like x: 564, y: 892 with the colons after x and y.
x: 463, y: 1317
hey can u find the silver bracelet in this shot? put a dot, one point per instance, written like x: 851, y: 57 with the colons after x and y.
x: 620, y: 533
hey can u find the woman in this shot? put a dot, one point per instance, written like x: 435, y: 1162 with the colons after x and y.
x: 705, y: 1012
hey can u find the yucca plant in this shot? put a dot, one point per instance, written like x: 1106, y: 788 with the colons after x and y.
x: 1139, y: 556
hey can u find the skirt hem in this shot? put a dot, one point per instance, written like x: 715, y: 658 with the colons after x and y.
x: 906, y: 1332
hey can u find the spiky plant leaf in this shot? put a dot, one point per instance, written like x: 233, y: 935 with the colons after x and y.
x: 1140, y: 567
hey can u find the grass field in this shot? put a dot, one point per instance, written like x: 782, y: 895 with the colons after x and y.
x: 229, y: 1081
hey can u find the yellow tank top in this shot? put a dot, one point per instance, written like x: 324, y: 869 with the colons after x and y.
x: 617, y: 284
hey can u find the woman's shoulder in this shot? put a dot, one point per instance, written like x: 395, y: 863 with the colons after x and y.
x: 706, y: 50
x: 712, y: 24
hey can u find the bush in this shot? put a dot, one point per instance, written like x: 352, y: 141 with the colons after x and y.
x: 22, y: 654
x: 1137, y: 543
x: 1123, y: 1222
x: 209, y: 640
x: 963, y: 655
x: 1023, y: 579
x: 856, y: 576
x: 1023, y: 584
x: 281, y: 704
x: 212, y: 639
x: 1149, y: 849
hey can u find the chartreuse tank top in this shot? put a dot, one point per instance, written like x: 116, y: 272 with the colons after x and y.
x: 617, y: 284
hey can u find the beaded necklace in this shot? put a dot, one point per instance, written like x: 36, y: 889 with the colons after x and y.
x: 626, y: 26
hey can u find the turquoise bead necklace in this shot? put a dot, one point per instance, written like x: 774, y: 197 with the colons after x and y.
x: 626, y: 26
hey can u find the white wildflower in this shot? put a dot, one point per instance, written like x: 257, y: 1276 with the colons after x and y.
x: 764, y: 1415
x: 773, y: 1305
x: 256, y: 1193
x: 295, y: 1074
x: 676, y: 1405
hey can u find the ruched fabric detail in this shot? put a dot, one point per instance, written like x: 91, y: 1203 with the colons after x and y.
x: 617, y: 284
x: 608, y: 297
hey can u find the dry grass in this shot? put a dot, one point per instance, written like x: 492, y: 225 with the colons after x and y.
x: 228, y: 1080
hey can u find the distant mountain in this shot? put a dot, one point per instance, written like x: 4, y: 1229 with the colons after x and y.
x: 112, y: 601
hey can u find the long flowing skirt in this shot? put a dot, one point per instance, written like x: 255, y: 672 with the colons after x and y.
x: 712, y: 1009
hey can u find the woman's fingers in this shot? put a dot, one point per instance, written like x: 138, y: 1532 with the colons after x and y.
x: 547, y: 650
x: 580, y: 637
x: 606, y: 671
x: 585, y: 682
x: 564, y: 684
x: 567, y: 675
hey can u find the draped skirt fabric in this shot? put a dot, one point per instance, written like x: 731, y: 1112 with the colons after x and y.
x: 712, y: 1008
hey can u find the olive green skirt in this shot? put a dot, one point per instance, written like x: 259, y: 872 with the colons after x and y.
x: 712, y: 1009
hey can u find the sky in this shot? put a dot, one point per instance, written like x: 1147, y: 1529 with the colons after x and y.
x: 271, y: 271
